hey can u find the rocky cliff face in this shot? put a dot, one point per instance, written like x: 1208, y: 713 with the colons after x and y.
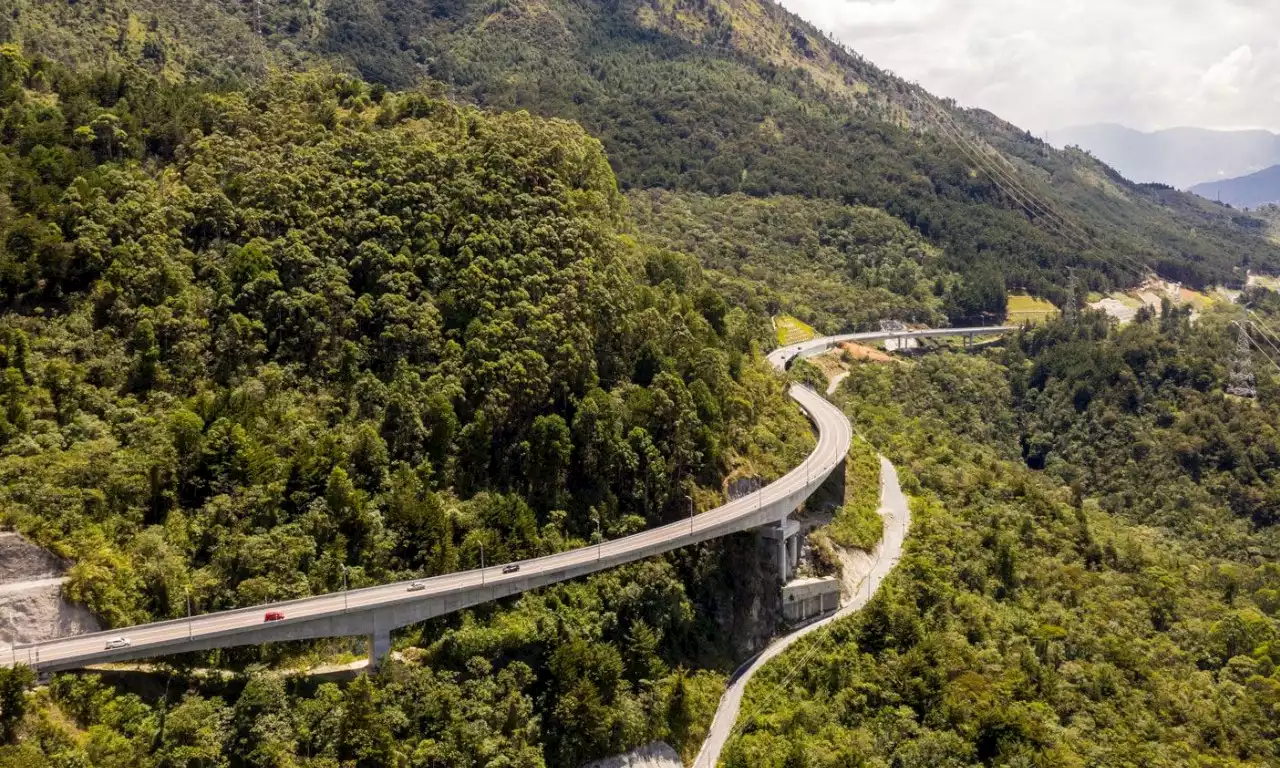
x: 658, y: 754
x: 31, y: 603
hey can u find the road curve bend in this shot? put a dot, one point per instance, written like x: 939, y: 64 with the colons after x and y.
x: 896, y: 513
x: 375, y: 611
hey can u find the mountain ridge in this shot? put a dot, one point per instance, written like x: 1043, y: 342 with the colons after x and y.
x: 711, y: 97
x: 1251, y: 191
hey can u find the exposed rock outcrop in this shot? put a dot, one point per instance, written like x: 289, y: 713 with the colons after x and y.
x: 657, y: 754
x: 31, y: 604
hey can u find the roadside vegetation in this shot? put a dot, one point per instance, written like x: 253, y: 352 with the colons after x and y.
x: 1029, y: 309
x: 857, y: 524
x: 792, y: 331
x: 256, y: 339
x: 1091, y: 575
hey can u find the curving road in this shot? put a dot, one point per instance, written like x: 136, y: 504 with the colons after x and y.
x: 349, y: 613
x: 897, y: 518
x: 375, y: 611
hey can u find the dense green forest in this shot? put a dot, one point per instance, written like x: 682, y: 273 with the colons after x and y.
x: 1121, y: 607
x: 294, y: 294
x: 836, y: 266
x: 256, y: 339
x: 696, y: 96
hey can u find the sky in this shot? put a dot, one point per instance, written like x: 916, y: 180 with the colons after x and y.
x: 1047, y: 64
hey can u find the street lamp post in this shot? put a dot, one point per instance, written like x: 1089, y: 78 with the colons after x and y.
x: 344, y: 588
x: 482, y: 563
x: 187, y: 589
x: 690, y: 498
x: 599, y: 540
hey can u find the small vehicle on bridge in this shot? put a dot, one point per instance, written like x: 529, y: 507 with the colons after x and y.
x: 118, y: 642
x: 510, y: 568
x: 416, y: 586
x: 273, y: 616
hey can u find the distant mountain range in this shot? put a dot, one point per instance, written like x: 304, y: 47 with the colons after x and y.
x: 1180, y: 157
x: 1250, y: 191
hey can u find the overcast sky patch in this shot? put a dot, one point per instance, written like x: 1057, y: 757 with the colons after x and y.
x: 1042, y: 64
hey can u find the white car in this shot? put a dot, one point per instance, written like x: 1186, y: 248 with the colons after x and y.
x: 118, y: 642
x: 416, y: 586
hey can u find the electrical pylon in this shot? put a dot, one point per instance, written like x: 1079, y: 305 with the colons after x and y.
x: 1243, y: 381
x: 1071, y: 312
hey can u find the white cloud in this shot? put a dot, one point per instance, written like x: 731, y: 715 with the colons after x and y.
x: 1047, y: 64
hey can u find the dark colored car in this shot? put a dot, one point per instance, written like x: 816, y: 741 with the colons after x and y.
x: 510, y: 568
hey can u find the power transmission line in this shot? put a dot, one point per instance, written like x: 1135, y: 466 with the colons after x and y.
x: 1260, y: 322
x: 1268, y: 335
x: 975, y: 153
x: 1263, y: 333
x: 994, y: 155
x: 1264, y: 352
x: 1056, y: 222
x: 1031, y: 208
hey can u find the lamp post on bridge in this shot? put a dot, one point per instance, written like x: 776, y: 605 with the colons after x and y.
x: 482, y: 563
x: 690, y: 498
x: 187, y: 590
x: 344, y: 588
x: 599, y: 539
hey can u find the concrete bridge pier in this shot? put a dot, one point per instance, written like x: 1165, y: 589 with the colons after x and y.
x: 379, y: 642
x: 787, y: 535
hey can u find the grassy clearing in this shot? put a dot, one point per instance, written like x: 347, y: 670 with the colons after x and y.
x: 1029, y: 309
x: 1265, y: 281
x: 1200, y: 301
x: 792, y: 331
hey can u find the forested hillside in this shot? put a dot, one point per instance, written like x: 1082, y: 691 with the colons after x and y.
x: 305, y: 294
x: 713, y: 97
x: 1120, y: 608
x: 259, y: 344
x: 839, y: 266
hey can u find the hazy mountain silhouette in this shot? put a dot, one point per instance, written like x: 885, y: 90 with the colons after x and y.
x: 1181, y: 157
x: 1250, y: 191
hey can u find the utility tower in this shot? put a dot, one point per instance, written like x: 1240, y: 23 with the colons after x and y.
x: 1071, y: 312
x: 1243, y: 381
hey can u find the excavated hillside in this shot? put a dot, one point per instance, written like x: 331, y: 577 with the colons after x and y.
x: 31, y: 604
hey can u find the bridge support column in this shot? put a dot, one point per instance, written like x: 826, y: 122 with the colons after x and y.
x: 787, y: 535
x: 379, y: 644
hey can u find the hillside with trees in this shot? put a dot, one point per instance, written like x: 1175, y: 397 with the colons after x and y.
x: 712, y: 97
x: 1120, y: 607
x: 300, y: 295
x: 262, y: 343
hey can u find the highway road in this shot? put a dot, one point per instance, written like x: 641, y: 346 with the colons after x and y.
x: 379, y: 609
x: 780, y: 357
x: 239, y: 627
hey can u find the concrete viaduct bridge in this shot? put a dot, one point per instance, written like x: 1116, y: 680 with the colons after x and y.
x: 376, y: 611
